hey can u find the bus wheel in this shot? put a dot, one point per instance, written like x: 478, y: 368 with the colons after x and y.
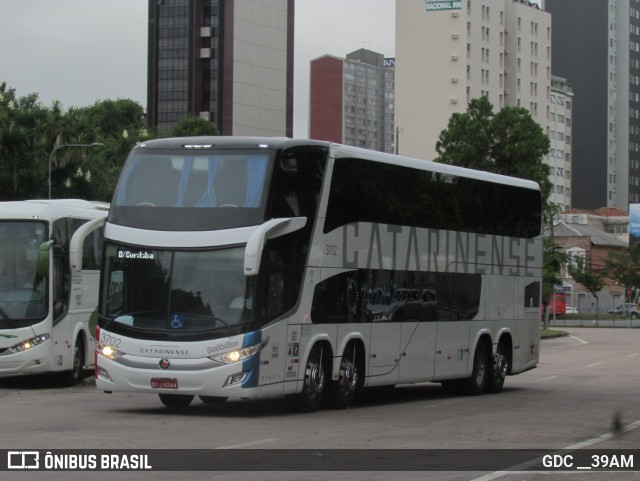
x: 176, y: 401
x: 213, y: 399
x: 74, y: 376
x: 477, y: 382
x: 314, y: 378
x: 344, y: 389
x: 499, y: 368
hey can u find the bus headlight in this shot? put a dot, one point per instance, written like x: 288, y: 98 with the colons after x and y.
x: 108, y: 351
x: 29, y: 343
x: 239, y: 354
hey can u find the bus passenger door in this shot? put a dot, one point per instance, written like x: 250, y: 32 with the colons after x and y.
x: 384, y: 353
x: 452, y: 348
x: 417, y: 351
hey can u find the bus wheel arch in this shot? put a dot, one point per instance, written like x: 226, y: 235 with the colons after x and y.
x: 316, y: 372
x: 350, y: 375
x: 500, y: 364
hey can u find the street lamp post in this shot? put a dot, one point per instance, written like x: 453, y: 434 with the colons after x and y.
x: 95, y: 144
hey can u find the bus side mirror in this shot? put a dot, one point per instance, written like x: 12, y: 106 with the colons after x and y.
x: 77, y: 241
x: 43, y: 259
x: 269, y: 230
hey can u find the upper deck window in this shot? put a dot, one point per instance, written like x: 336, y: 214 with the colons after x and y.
x: 192, y: 190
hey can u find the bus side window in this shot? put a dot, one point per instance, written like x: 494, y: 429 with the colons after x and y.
x: 61, y: 272
x: 297, y: 185
x: 60, y: 287
x: 92, y: 250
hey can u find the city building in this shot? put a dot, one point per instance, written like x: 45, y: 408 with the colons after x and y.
x: 226, y: 61
x: 591, y: 235
x: 596, y: 47
x: 560, y: 135
x: 450, y: 52
x: 352, y: 100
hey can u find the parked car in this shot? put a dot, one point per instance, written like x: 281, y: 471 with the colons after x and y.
x: 572, y: 310
x: 628, y: 309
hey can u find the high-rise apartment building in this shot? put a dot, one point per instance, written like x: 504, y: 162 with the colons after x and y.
x: 227, y: 61
x: 450, y: 52
x: 352, y: 100
x: 560, y: 135
x: 596, y: 47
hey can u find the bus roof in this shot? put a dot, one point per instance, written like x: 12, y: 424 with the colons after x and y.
x: 48, y: 209
x: 335, y: 151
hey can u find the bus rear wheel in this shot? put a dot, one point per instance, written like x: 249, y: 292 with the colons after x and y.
x: 310, y: 398
x: 477, y: 382
x: 499, y: 369
x: 344, y: 389
x: 176, y: 401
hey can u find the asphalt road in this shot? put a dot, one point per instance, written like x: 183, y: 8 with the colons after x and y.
x: 585, y: 394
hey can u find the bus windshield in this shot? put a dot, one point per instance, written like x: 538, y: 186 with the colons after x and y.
x: 176, y: 292
x: 192, y: 190
x: 22, y: 291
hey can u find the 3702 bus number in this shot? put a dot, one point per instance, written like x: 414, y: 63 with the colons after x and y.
x: 109, y: 340
x: 331, y: 250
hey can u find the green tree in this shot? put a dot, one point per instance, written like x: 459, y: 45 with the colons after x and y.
x: 92, y: 173
x: 192, y: 126
x: 27, y: 129
x: 624, y: 266
x: 583, y: 272
x: 508, y: 142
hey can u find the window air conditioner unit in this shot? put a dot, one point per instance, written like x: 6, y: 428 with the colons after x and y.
x: 454, y: 100
x: 454, y: 80
x: 454, y: 58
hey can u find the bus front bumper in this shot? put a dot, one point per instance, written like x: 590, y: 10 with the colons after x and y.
x: 199, y: 377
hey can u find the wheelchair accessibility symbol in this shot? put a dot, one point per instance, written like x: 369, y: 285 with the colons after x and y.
x: 177, y: 321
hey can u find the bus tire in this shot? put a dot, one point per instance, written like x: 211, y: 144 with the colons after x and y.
x: 498, y: 372
x: 477, y: 382
x: 74, y: 375
x: 176, y: 401
x: 310, y: 398
x: 344, y: 389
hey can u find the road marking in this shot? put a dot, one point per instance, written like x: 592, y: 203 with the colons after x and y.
x: 595, y: 364
x: 581, y: 341
x: 545, y: 379
x: 250, y: 443
x: 522, y: 467
x: 632, y: 355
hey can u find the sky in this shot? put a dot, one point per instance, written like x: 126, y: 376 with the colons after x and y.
x: 82, y: 51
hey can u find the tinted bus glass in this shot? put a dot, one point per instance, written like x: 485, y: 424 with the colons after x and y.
x: 367, y: 191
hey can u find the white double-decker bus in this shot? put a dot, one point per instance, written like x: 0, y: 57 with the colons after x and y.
x: 50, y: 254
x: 250, y: 267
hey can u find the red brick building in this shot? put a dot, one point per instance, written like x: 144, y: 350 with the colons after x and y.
x: 592, y: 235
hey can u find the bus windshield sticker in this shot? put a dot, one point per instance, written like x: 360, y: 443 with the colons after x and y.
x: 177, y: 321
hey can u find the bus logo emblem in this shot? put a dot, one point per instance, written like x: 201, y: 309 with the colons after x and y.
x: 164, y: 363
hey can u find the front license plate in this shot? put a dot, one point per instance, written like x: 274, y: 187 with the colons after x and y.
x: 164, y: 383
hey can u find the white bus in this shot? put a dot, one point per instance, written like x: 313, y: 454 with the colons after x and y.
x: 250, y: 267
x: 50, y: 253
